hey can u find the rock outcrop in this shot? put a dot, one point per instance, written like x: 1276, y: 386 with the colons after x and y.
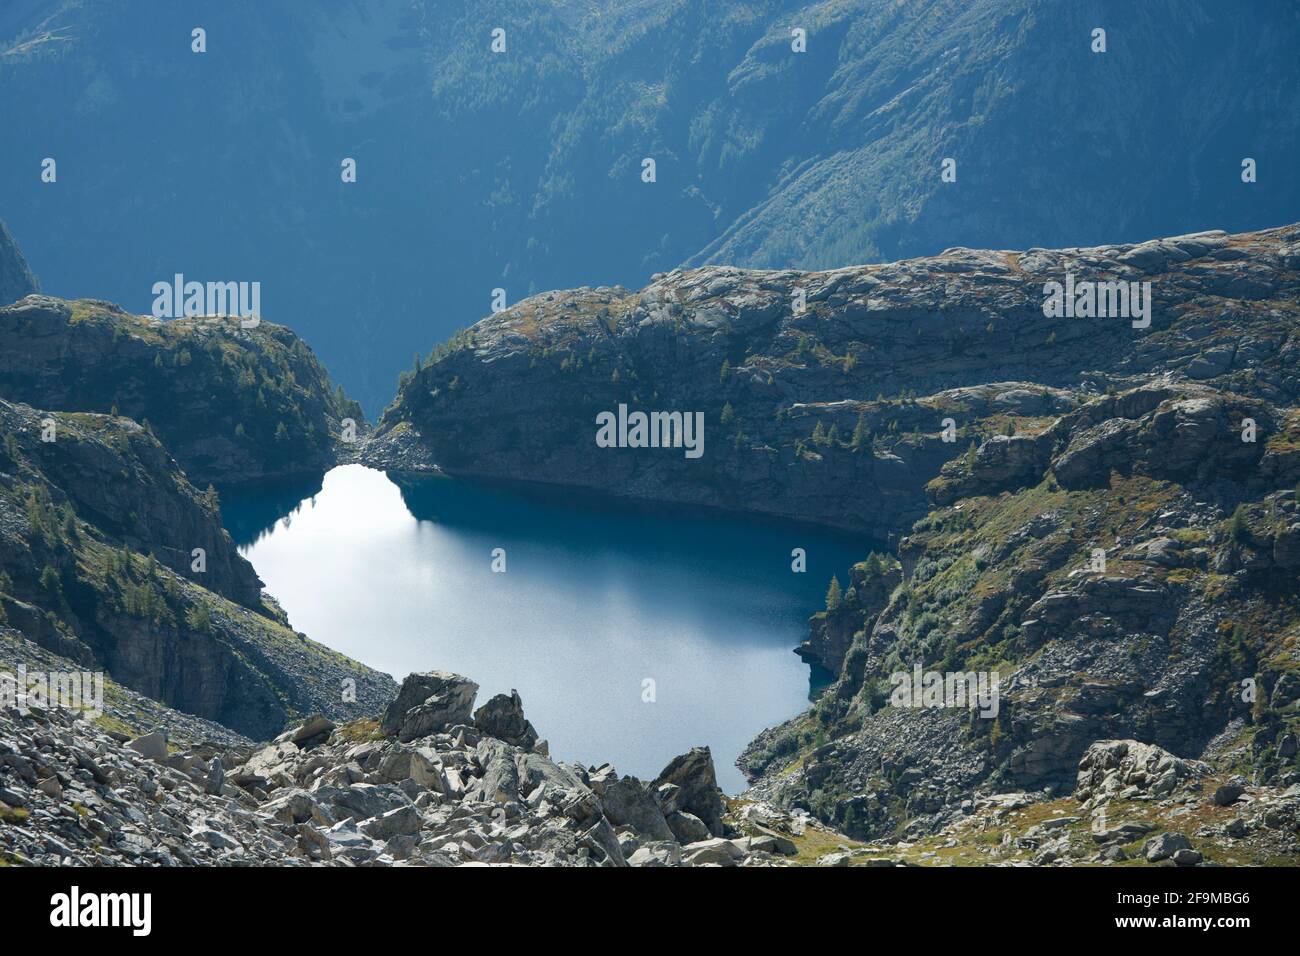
x: 231, y: 404
x: 826, y: 395
x: 503, y: 717
x: 427, y: 703
x: 1118, y: 769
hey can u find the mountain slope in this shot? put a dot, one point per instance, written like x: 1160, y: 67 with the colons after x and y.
x: 523, y: 170
x: 1054, y: 144
x: 109, y: 557
x: 1138, y: 583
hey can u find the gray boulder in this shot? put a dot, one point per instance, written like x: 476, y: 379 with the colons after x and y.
x: 408, y: 762
x: 656, y: 854
x: 769, y: 842
x: 718, y: 852
x: 502, y: 717
x: 1164, y: 846
x: 216, y: 778
x: 296, y: 806
x: 601, y: 843
x: 428, y: 703
x: 403, y: 821
x: 536, y: 770
x: 687, y: 827
x: 627, y: 802
x: 1123, y: 833
x: 1230, y: 792
x: 693, y: 772
x: 153, y: 746
x: 362, y: 800
x: 500, y: 780
x: 311, y: 732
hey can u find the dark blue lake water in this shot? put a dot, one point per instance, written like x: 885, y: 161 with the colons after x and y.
x: 596, y: 600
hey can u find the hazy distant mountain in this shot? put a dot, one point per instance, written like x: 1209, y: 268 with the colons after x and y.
x: 523, y: 170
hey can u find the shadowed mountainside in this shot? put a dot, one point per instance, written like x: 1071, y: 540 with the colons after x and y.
x: 111, y: 558
x: 522, y: 170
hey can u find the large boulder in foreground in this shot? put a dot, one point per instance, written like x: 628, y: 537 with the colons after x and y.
x: 627, y: 802
x: 428, y: 703
x: 697, y: 788
x: 502, y: 717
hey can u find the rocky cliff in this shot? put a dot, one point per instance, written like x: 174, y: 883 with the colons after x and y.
x: 232, y: 404
x: 824, y: 394
x: 111, y: 558
x: 1138, y: 581
x: 1098, y: 510
x: 16, y: 279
